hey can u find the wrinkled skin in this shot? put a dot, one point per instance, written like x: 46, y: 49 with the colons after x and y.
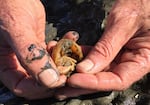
x: 121, y: 57
x: 25, y: 66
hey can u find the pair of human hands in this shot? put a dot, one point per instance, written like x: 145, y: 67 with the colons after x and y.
x: 119, y: 58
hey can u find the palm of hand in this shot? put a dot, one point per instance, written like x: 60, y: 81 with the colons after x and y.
x: 127, y: 36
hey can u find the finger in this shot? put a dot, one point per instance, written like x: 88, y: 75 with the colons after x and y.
x: 24, y: 39
x: 16, y: 79
x: 139, y: 42
x: 121, y: 77
x: 23, y: 85
x: 50, y: 46
x: 30, y: 89
x: 68, y: 92
x: 122, y: 23
x: 73, y: 35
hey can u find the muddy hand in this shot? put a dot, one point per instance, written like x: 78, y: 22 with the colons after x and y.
x: 122, y: 55
x: 23, y: 51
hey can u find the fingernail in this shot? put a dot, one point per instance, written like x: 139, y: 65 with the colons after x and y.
x: 48, y: 77
x: 76, y: 34
x: 86, y: 65
x: 73, y: 35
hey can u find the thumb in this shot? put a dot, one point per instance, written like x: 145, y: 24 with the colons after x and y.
x: 122, y: 25
x: 23, y: 30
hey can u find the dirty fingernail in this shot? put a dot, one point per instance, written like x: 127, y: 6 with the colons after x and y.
x: 48, y: 77
x: 73, y: 35
x: 86, y: 65
x: 76, y: 34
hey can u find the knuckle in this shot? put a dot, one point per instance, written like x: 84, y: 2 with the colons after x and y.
x: 30, y: 52
x: 104, y: 48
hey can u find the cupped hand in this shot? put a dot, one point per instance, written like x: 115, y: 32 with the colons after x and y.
x: 25, y: 66
x: 122, y: 54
